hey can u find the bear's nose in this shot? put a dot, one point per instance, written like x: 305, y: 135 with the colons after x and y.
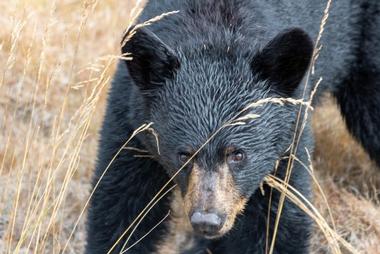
x: 208, y: 224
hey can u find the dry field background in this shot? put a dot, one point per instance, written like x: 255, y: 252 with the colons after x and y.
x: 56, y: 61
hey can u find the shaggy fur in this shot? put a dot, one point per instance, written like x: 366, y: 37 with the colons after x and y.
x: 195, y: 70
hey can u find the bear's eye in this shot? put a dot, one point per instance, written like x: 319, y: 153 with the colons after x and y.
x: 235, y: 156
x: 184, y: 157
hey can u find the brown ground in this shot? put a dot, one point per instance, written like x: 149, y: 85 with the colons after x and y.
x: 54, y: 76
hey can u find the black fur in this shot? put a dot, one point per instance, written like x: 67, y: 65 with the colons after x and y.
x: 285, y: 59
x: 192, y: 72
x: 152, y: 60
x: 359, y: 93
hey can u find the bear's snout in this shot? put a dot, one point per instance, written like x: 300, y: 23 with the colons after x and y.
x: 212, y: 201
x: 207, y: 224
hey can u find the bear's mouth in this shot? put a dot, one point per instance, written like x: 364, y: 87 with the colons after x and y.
x: 212, y: 236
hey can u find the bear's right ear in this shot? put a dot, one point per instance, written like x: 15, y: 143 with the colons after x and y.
x: 152, y: 61
x: 284, y: 60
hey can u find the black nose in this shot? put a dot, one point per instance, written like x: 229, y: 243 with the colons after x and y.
x: 206, y: 223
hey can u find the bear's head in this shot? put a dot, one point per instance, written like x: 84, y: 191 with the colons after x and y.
x: 199, y: 97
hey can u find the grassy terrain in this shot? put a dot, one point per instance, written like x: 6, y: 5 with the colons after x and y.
x: 56, y: 61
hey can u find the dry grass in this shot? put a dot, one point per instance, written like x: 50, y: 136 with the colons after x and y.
x: 56, y: 60
x: 350, y: 180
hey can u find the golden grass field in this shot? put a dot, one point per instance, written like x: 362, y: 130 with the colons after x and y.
x: 56, y: 62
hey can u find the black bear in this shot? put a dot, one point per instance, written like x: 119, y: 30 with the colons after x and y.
x: 191, y: 73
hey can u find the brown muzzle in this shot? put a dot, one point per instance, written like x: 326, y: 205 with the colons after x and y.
x: 212, y: 201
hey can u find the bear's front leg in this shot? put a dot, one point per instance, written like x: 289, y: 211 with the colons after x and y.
x: 294, y: 227
x: 125, y: 190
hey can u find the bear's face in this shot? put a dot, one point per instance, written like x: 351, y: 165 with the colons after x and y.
x: 218, y: 148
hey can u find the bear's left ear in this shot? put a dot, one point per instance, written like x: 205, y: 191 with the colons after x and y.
x: 284, y: 60
x: 152, y: 61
